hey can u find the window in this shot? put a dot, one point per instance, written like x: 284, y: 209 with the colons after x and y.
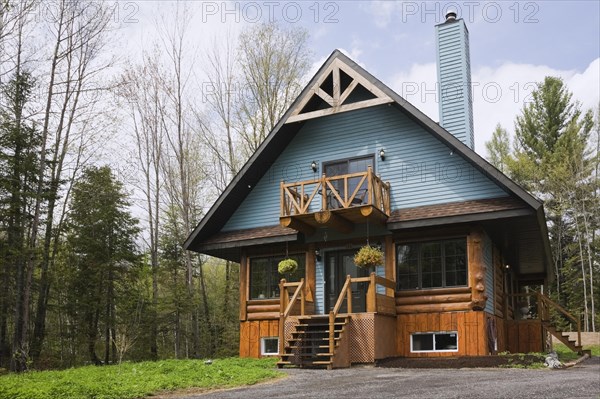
x: 269, y: 346
x: 434, y: 342
x: 346, y: 167
x: 433, y: 264
x: 264, y: 277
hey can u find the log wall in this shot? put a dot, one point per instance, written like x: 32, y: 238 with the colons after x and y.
x: 252, y: 331
x: 470, y: 326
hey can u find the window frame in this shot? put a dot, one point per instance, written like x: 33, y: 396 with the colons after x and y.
x: 433, y: 333
x: 263, y: 346
x: 273, y: 261
x: 441, y: 242
x: 347, y: 160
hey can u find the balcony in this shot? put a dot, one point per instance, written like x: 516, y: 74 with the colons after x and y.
x: 339, y: 202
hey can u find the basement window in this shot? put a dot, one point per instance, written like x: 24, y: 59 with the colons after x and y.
x: 434, y: 342
x: 269, y: 346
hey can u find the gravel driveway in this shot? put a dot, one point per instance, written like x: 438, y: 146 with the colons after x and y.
x: 581, y: 381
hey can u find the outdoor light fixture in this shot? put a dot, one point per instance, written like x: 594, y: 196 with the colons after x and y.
x: 318, y: 254
x: 313, y: 166
x: 452, y: 152
x: 382, y: 154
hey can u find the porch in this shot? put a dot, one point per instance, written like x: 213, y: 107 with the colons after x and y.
x: 533, y: 319
x: 337, y: 339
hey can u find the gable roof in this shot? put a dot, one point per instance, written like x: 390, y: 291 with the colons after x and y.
x: 294, y: 118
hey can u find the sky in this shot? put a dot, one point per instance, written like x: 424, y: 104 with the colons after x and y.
x: 513, y: 44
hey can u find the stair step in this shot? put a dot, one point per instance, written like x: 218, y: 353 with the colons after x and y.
x: 315, y: 332
x: 312, y: 339
x: 321, y: 324
x: 307, y: 347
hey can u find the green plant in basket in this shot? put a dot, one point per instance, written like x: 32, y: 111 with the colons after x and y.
x: 368, y: 257
x: 287, y: 266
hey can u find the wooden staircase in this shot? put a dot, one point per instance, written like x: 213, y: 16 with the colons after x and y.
x: 564, y: 338
x: 309, y: 346
x: 545, y: 305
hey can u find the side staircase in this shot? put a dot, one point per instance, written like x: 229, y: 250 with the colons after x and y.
x: 545, y: 307
x: 564, y: 338
x: 310, y: 345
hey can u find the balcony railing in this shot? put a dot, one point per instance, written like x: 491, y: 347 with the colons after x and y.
x: 335, y: 192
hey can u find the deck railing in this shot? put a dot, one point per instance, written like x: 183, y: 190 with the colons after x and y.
x: 335, y: 192
x: 376, y: 303
x: 286, y: 305
x: 537, y: 306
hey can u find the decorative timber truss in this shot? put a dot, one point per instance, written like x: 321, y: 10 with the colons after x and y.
x: 338, y: 89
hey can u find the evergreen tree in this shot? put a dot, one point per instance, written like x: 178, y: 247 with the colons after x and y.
x: 19, y: 156
x: 101, y: 237
x: 552, y: 159
x: 498, y: 148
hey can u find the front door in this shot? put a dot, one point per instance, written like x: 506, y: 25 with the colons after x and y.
x: 337, y: 266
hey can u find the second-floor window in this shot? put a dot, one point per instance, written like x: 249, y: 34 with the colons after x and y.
x: 347, y: 167
x: 264, y: 277
x: 433, y: 264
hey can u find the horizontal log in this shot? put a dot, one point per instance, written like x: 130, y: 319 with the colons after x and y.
x: 433, y: 291
x: 386, y: 305
x: 433, y: 299
x: 263, y: 302
x: 263, y: 316
x: 432, y: 308
x: 263, y: 308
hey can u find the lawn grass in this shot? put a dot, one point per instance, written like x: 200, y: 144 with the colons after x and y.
x: 136, y: 380
x: 566, y: 355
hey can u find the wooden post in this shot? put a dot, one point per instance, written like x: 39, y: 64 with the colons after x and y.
x: 243, y: 285
x: 282, y: 306
x: 390, y: 263
x: 331, y: 332
x: 349, y: 297
x: 302, y: 297
x: 282, y: 200
x: 372, y: 294
x: 370, y: 184
x: 323, y: 193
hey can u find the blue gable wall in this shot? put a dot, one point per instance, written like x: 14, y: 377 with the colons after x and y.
x: 418, y: 166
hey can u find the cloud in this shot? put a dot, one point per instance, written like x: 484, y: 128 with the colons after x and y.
x: 382, y: 12
x: 499, y: 93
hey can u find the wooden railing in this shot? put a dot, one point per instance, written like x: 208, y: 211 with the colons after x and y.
x: 376, y: 303
x: 335, y: 192
x: 286, y: 305
x: 541, y: 309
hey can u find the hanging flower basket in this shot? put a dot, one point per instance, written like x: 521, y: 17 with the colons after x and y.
x: 287, y: 266
x: 368, y: 257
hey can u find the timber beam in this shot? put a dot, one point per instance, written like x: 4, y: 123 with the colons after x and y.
x: 298, y: 225
x: 335, y: 221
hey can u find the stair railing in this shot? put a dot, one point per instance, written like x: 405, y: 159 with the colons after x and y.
x: 544, y: 306
x: 286, y: 305
x: 346, y: 293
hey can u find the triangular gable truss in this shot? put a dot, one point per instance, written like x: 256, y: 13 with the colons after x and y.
x: 340, y: 88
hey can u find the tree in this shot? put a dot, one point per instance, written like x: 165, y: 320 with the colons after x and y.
x: 498, y: 148
x: 552, y: 159
x: 273, y: 60
x: 19, y: 159
x: 101, y: 239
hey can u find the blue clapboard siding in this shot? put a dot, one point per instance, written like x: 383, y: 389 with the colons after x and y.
x: 454, y: 77
x: 489, y: 274
x: 418, y: 166
x: 320, y: 286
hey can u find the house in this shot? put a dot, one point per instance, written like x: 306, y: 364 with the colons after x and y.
x: 466, y: 251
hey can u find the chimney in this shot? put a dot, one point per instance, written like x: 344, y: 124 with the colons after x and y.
x: 454, y: 78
